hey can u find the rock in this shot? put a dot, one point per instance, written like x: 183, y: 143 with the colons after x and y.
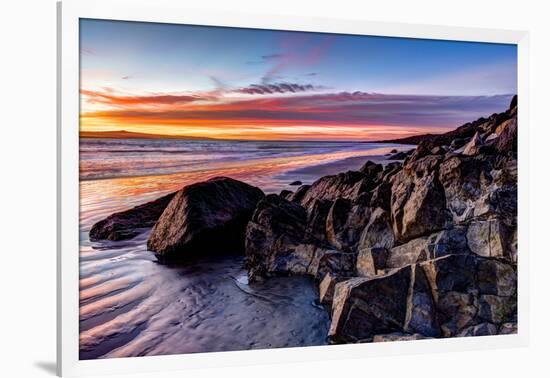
x: 295, y: 183
x: 275, y: 229
x: 496, y: 278
x: 497, y: 309
x: 285, y: 194
x: 468, y: 184
x: 437, y: 245
x: 204, y: 218
x: 483, y: 329
x: 507, y: 140
x: 378, y: 232
x: 326, y: 288
x: 363, y: 307
x: 371, y: 261
x: 381, y: 195
x: 397, y: 302
x: 393, y: 151
x: 458, y: 143
x: 418, y: 203
x: 400, y: 155
x: 336, y: 263
x: 437, y: 150
x: 345, y: 222
x: 398, y: 336
x: 316, y: 222
x: 282, y: 239
x: 508, y: 329
x: 348, y: 185
x: 472, y: 147
x: 129, y: 223
x: 298, y: 194
x: 488, y: 239
x: 371, y: 169
x: 463, y: 286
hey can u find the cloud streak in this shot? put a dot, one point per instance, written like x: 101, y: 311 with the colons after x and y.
x: 265, y: 89
x: 278, y: 115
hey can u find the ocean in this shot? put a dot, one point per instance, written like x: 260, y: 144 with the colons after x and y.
x: 130, y: 305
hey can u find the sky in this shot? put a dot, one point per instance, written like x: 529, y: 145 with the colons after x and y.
x: 236, y: 83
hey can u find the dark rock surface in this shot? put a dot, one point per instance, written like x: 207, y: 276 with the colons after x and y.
x: 127, y: 224
x: 204, y: 218
x: 419, y: 249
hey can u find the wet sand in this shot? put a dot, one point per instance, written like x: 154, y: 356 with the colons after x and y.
x: 130, y: 305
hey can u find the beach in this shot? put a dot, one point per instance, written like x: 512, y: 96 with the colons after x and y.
x: 132, y: 306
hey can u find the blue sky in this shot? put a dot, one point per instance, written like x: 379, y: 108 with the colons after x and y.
x: 131, y: 59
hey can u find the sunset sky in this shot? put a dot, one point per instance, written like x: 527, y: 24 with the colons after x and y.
x: 257, y: 84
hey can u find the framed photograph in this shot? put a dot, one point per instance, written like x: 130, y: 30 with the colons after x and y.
x: 240, y: 188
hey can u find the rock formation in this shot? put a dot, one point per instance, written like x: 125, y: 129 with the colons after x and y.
x: 127, y: 224
x: 204, y: 218
x: 420, y: 249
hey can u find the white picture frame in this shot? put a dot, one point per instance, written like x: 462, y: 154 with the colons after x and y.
x: 69, y: 13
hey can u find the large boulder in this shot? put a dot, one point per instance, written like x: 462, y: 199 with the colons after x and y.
x: 130, y: 223
x: 204, y: 218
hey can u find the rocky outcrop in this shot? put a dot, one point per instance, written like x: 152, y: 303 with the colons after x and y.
x: 455, y: 295
x: 419, y: 249
x: 130, y: 223
x: 204, y: 218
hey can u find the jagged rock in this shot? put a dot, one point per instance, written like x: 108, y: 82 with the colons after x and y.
x: 472, y: 147
x: 336, y: 263
x: 281, y: 239
x: 488, y: 238
x: 437, y: 245
x: 345, y: 221
x: 285, y: 194
x: 507, y: 140
x: 348, y: 185
x: 483, y: 329
x: 364, y: 307
x: 204, y: 218
x: 371, y: 261
x: 398, y: 336
x: 381, y: 195
x: 418, y: 200
x: 466, y: 182
x: 378, y: 232
x: 298, y: 194
x: 326, y: 288
x: 129, y: 223
x: 462, y: 285
x: 275, y: 229
x: 316, y: 222
x: 402, y: 155
x: 508, y: 329
x: 496, y: 309
x: 371, y: 169
x: 397, y: 302
x: 496, y: 278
